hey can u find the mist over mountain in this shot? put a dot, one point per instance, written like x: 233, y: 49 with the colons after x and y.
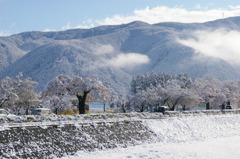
x: 114, y: 54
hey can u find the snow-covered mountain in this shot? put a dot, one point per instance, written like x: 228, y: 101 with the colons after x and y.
x: 113, y: 53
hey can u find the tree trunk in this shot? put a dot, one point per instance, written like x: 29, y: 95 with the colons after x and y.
x: 104, y: 107
x: 207, y: 106
x: 172, y: 108
x: 123, y: 108
x: 175, y: 104
x: 165, y: 101
x: 228, y: 102
x: 184, y: 107
x: 27, y: 111
x: 82, y: 102
x: 223, y: 106
x: 56, y: 110
x: 142, y: 107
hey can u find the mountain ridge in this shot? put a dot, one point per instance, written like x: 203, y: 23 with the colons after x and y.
x: 87, y: 52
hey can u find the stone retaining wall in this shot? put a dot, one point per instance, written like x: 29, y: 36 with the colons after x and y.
x: 55, y: 141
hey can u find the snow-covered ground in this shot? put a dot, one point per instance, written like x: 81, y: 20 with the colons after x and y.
x: 220, y: 148
x: 201, y: 137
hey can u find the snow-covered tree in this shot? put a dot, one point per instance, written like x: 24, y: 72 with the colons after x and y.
x: 231, y: 89
x: 174, y: 90
x: 6, y: 92
x: 121, y: 103
x: 174, y: 95
x: 57, y: 103
x: 208, y: 88
x: 162, y: 89
x: 142, y: 82
x: 17, y: 94
x: 140, y: 100
x: 81, y: 88
x: 219, y: 101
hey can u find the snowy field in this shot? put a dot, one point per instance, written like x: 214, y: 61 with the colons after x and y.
x: 202, y: 137
x: 221, y: 148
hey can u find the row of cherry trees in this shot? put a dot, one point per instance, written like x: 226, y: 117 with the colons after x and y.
x: 173, y: 90
x: 17, y: 94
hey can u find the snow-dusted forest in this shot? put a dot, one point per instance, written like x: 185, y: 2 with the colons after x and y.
x: 73, y: 93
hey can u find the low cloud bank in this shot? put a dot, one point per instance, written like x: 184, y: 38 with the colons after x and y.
x: 128, y: 60
x: 220, y: 43
x: 118, y: 59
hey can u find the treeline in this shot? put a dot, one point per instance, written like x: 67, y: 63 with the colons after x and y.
x: 155, y: 89
x: 152, y: 89
x: 18, y: 94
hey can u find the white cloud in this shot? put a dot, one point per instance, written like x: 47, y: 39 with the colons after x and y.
x: 103, y: 49
x: 128, y: 60
x: 49, y: 30
x: 178, y: 14
x: 118, y: 59
x: 67, y: 26
x: 219, y: 43
x: 4, y: 33
x: 80, y: 26
x: 162, y: 14
x: 234, y: 7
x: 84, y: 25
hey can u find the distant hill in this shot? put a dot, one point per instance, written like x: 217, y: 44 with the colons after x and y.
x: 95, y: 52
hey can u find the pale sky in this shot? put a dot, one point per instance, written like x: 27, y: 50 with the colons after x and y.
x: 54, y: 15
